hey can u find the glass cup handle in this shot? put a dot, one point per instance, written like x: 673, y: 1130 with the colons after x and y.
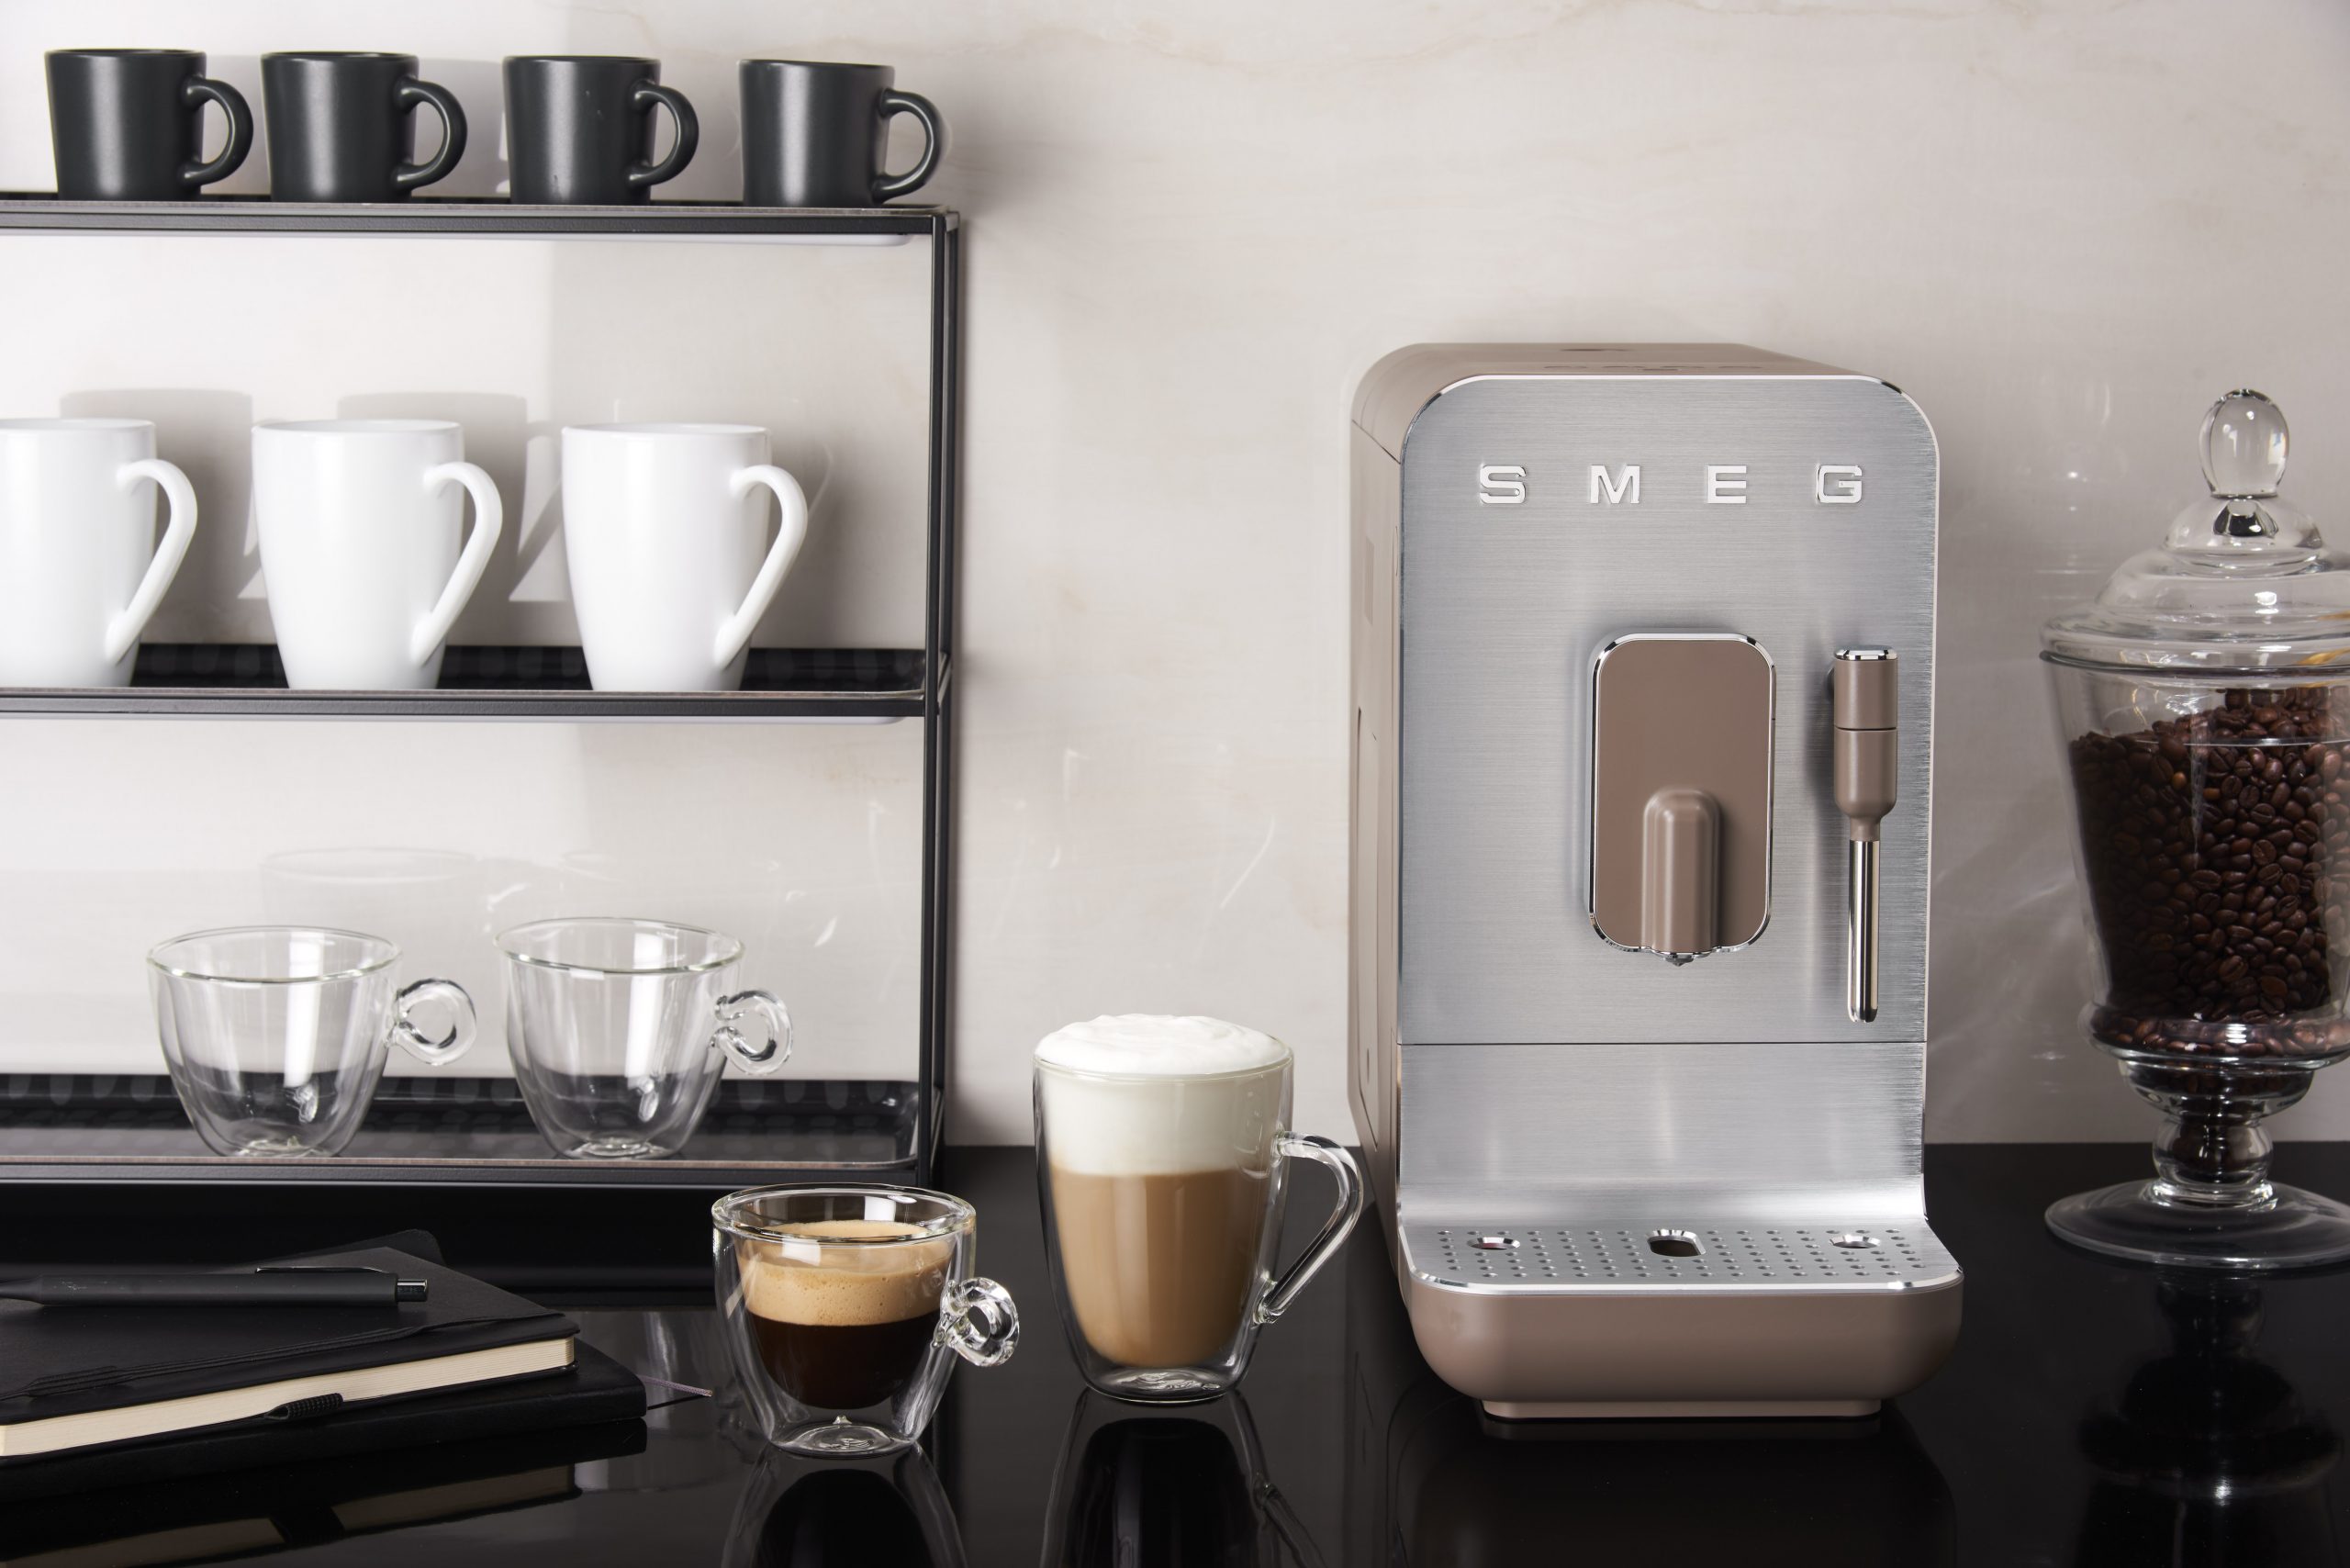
x: 1325, y: 1242
x: 414, y: 1041
x: 775, y: 1023
x: 978, y: 1322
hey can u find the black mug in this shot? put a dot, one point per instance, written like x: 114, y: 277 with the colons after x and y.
x: 341, y: 127
x: 579, y: 128
x: 814, y: 134
x: 127, y: 124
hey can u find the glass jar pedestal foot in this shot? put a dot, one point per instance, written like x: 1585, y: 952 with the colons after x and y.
x: 2211, y: 1204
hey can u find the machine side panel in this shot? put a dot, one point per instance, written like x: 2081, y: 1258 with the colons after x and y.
x: 1373, y: 1067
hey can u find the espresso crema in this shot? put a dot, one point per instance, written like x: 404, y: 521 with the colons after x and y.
x: 843, y: 1327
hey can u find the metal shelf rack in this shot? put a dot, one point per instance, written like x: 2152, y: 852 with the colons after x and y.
x: 65, y: 1129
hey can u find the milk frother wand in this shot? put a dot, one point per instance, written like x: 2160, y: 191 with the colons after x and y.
x: 1866, y: 708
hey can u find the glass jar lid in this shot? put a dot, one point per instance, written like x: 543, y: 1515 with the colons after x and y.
x: 2241, y: 585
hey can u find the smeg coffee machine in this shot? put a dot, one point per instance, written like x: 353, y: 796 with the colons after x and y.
x: 1643, y: 697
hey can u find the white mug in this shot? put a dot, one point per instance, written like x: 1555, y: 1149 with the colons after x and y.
x: 360, y: 524
x: 665, y: 534
x: 80, y: 570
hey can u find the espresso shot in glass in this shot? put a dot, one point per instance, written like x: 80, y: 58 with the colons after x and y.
x: 846, y: 1308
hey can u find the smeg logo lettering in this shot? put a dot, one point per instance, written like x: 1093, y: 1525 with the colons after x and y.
x: 1719, y: 484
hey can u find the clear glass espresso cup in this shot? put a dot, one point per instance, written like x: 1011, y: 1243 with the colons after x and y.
x: 275, y: 1035
x: 620, y: 1030
x: 1163, y: 1191
x: 845, y: 1307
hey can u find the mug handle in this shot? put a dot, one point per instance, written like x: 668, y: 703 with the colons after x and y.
x: 1325, y: 1242
x: 729, y: 1037
x: 489, y: 518
x: 736, y: 635
x: 978, y: 1322
x: 642, y: 98
x: 414, y: 1041
x: 123, y: 630
x: 933, y: 143
x: 409, y: 93
x: 194, y: 93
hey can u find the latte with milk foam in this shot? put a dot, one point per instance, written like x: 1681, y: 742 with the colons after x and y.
x: 1158, y: 1142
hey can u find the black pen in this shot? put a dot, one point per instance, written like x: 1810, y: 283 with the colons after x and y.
x: 278, y: 1285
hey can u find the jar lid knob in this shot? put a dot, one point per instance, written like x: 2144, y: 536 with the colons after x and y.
x: 2245, y: 441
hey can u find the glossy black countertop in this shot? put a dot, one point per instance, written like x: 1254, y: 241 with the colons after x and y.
x: 2093, y: 1414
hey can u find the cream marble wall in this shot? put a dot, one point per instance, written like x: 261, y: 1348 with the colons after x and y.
x: 2063, y: 226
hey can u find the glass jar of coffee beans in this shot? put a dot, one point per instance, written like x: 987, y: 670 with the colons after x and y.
x: 2214, y: 846
x: 2204, y: 704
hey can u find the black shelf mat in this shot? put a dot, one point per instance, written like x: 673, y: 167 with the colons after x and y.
x: 451, y: 1128
x: 255, y: 666
x: 246, y: 678
x: 460, y: 216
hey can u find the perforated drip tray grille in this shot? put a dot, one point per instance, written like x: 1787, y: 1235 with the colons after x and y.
x: 1635, y: 1259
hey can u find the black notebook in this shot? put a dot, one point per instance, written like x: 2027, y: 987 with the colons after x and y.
x: 80, y: 1377
x: 597, y: 1390
x: 305, y: 1499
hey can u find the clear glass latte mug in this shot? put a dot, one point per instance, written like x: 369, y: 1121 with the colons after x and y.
x: 1163, y: 1191
x: 276, y: 1035
x: 619, y: 1030
x: 846, y: 1308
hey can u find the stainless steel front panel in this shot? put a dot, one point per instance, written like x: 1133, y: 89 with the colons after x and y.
x: 1507, y: 601
x: 1802, y: 1132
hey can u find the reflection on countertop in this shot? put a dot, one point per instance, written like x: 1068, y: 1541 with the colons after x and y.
x: 802, y: 1513
x: 1169, y: 1486
x: 2208, y: 1453
x: 2094, y: 1415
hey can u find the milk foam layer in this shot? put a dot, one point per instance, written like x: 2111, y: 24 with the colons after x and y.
x: 1192, y: 1095
x: 1160, y: 1045
x: 806, y: 1282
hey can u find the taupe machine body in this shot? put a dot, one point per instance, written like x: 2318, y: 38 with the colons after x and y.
x: 1643, y: 692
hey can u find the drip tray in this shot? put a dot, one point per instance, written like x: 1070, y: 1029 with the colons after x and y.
x: 1643, y: 1258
